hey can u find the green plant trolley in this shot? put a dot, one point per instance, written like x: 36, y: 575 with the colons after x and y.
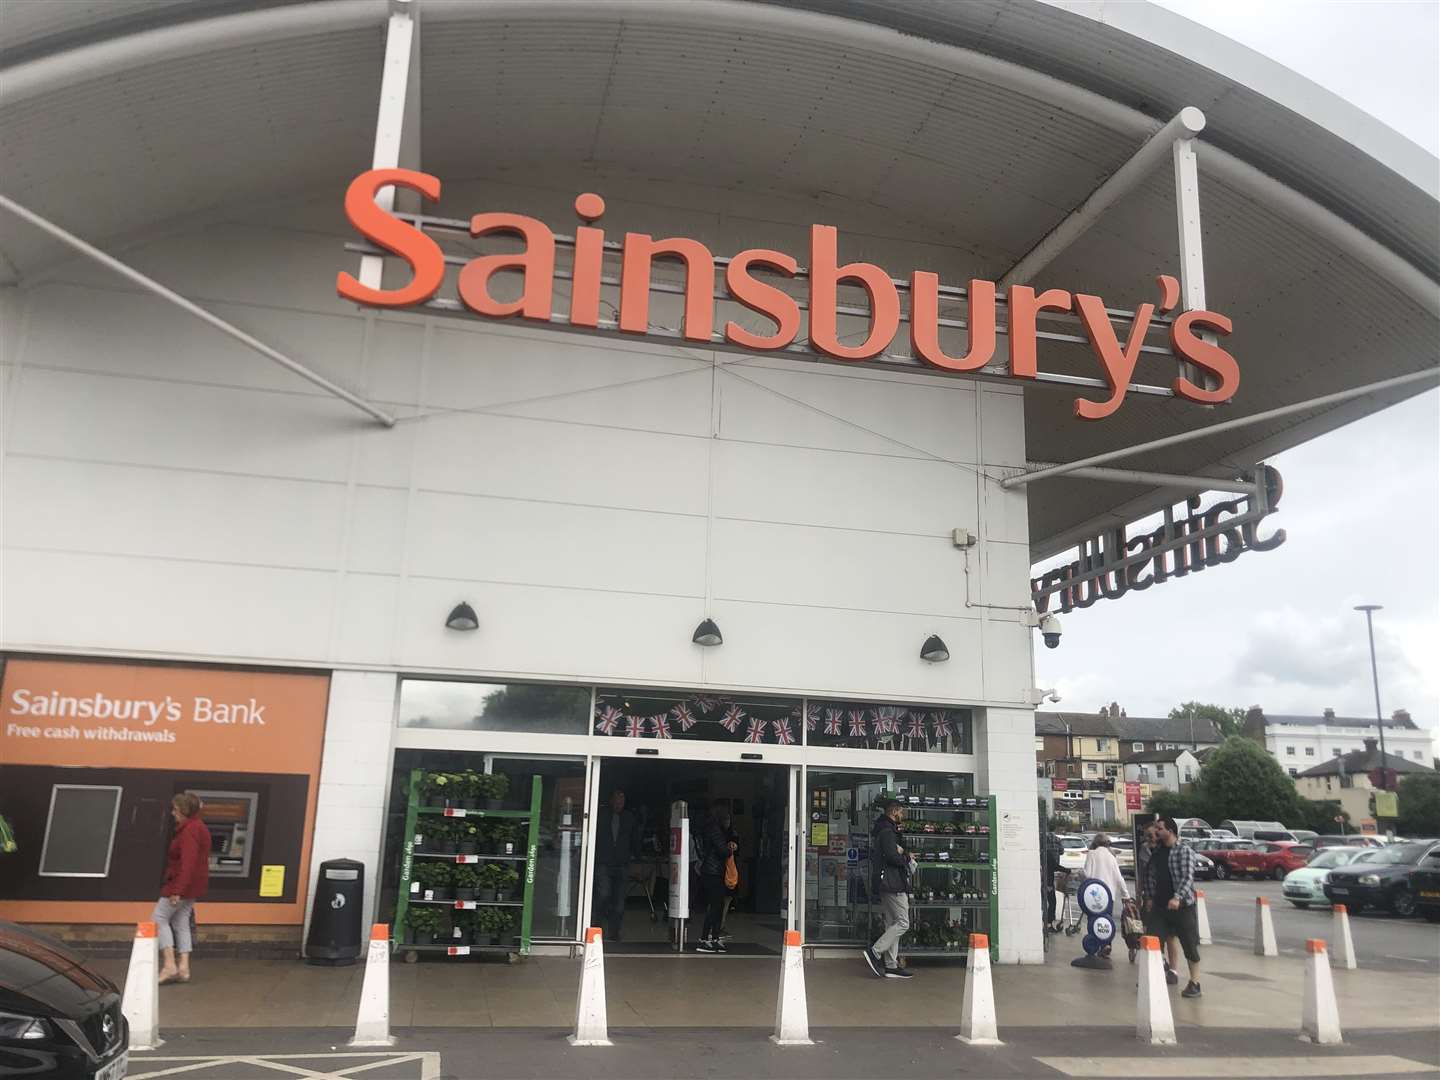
x: 467, y: 871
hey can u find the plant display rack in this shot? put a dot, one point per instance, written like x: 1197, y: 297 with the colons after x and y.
x: 413, y: 897
x: 957, y: 877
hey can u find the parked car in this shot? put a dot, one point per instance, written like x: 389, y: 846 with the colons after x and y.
x: 57, y: 1017
x: 1220, y: 852
x: 1353, y: 839
x: 1123, y: 849
x: 1304, y: 836
x: 1426, y: 882
x: 1272, y: 860
x: 1073, y: 857
x: 1383, y: 880
x: 1306, y: 885
x: 1259, y: 830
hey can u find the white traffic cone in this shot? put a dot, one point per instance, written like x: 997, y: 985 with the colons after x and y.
x: 1344, y: 947
x: 792, y: 1015
x: 977, y: 1023
x: 141, y: 1003
x: 372, y: 1023
x: 1319, y: 1015
x: 591, y: 1028
x: 1154, y: 1022
x: 1202, y: 918
x: 1264, y: 929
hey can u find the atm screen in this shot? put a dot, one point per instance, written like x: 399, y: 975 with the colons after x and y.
x: 230, y: 817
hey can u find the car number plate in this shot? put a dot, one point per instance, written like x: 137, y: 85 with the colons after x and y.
x: 1339, y: 892
x: 116, y: 1070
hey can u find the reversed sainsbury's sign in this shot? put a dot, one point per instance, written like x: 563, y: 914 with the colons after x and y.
x: 1192, y: 334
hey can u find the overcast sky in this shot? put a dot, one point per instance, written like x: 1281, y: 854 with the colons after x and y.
x: 1362, y: 504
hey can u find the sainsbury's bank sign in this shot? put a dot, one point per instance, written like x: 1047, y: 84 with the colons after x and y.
x: 1212, y: 376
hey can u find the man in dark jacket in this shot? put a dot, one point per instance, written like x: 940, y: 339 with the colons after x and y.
x: 617, y: 843
x: 715, y: 848
x: 890, y: 881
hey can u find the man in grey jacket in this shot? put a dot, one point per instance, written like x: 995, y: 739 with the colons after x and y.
x: 890, y: 881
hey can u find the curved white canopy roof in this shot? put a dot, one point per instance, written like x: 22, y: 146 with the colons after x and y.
x: 978, y: 125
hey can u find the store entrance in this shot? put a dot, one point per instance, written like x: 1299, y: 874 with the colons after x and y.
x: 755, y: 797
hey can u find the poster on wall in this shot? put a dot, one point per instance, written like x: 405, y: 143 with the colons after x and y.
x: 679, y: 859
x: 92, y: 753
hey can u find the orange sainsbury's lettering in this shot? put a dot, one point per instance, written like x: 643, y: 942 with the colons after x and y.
x: 773, y: 303
x: 381, y: 228
x: 1192, y: 334
x: 1187, y: 345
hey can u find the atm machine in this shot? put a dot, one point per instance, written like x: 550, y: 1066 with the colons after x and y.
x: 230, y: 817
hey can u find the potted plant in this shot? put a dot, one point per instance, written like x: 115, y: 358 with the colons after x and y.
x: 466, y: 880
x: 441, y: 836
x: 462, y: 927
x: 468, y: 836
x: 423, y: 925
x: 436, y: 880
x: 496, y: 787
x: 504, y: 835
x: 435, y: 787
x: 488, y: 881
x: 505, y: 886
x: 469, y: 786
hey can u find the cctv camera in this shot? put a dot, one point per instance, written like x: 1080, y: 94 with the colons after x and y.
x: 1050, y: 630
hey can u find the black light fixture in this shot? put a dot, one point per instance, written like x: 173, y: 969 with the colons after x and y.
x: 934, y: 650
x: 707, y: 633
x: 462, y: 617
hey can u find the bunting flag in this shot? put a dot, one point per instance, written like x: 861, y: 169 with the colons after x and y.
x: 941, y: 723
x: 756, y: 732
x: 857, y: 724
x: 705, y: 703
x: 812, y: 718
x: 609, y: 720
x: 660, y: 725
x: 783, y: 735
x: 833, y: 718
x: 917, y: 726
x: 635, y: 727
x: 887, y: 720
x: 731, y: 720
x: 683, y: 716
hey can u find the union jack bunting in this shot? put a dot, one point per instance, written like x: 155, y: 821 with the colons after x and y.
x: 833, y: 719
x: 857, y: 724
x: 756, y: 731
x: 916, y: 729
x: 705, y: 703
x: 942, y: 725
x: 660, y: 725
x: 812, y: 718
x: 683, y: 716
x: 731, y: 720
x: 635, y: 727
x: 887, y: 721
x: 609, y: 720
x: 783, y: 734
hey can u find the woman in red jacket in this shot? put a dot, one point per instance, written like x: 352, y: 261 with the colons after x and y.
x: 187, y: 876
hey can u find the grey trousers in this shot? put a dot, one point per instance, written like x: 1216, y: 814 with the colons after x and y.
x: 896, y: 909
x: 173, y: 922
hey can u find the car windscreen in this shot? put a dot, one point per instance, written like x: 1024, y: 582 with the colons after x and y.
x: 1333, y: 856
x: 1399, y: 854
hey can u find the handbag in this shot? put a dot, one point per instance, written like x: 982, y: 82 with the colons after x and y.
x: 1131, y: 925
x: 732, y: 873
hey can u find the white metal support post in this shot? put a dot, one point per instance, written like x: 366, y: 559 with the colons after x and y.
x: 397, y: 122
x: 1192, y: 252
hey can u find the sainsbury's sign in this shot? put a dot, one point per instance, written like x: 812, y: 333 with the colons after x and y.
x: 1191, y: 334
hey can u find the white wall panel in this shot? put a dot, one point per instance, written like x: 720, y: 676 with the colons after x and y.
x: 1002, y: 424
x: 167, y: 513
x: 1008, y: 669
x: 790, y: 564
x: 395, y: 349
x: 364, y: 624
x: 531, y: 459
x: 512, y: 540
x: 171, y: 425
x: 872, y: 654
x: 164, y: 606
x: 847, y: 491
x: 377, y: 529
x: 1006, y: 573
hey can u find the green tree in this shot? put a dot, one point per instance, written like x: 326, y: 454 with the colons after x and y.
x: 1240, y: 781
x: 1229, y: 721
x: 1175, y: 805
x: 1419, y: 795
x: 1318, y: 815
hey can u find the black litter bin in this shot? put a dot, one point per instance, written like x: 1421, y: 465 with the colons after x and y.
x: 335, y: 914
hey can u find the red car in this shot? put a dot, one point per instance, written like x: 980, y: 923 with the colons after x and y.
x: 1271, y: 858
x: 1224, y: 852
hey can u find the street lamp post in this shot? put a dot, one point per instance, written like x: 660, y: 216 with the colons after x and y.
x: 1369, y: 610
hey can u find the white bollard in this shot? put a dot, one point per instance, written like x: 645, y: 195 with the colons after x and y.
x: 977, y: 1024
x: 792, y: 1015
x: 1202, y: 918
x: 1319, y: 1015
x: 141, y: 1003
x: 1154, y: 1022
x: 1344, y: 947
x: 1264, y: 929
x: 372, y: 1023
x: 591, y: 1027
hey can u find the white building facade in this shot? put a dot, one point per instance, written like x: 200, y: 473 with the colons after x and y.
x: 1299, y: 743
